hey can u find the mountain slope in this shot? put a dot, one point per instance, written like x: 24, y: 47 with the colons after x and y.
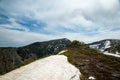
x: 107, y: 45
x: 92, y: 62
x: 44, y: 48
x: 11, y: 58
x: 50, y: 68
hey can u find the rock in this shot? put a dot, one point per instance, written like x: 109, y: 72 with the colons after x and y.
x: 116, y: 75
x: 80, y: 64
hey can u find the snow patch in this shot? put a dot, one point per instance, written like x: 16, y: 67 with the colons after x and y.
x: 91, y: 78
x: 96, y: 46
x: 63, y: 51
x: 117, y: 53
x: 107, y: 44
x: 51, y: 68
x: 111, y: 54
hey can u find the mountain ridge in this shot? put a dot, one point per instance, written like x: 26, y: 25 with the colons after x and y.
x: 12, y: 57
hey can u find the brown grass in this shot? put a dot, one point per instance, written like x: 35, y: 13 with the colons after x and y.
x: 93, y: 63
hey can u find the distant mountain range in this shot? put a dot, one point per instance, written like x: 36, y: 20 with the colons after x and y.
x: 107, y: 45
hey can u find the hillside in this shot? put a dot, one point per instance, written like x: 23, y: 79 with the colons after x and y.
x: 12, y: 58
x: 91, y: 62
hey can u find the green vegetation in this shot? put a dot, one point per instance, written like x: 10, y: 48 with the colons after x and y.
x: 91, y: 62
x: 76, y: 43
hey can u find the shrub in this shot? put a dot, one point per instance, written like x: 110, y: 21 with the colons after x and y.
x: 76, y: 43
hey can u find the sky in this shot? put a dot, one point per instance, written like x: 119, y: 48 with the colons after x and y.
x: 26, y: 21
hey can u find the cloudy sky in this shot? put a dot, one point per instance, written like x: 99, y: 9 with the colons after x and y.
x: 26, y: 21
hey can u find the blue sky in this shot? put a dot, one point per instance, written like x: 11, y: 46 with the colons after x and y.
x: 26, y: 21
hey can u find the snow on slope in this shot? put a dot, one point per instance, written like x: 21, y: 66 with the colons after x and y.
x: 63, y: 51
x: 51, y: 68
x: 96, y: 46
x: 115, y: 55
x: 102, y: 47
x: 107, y: 44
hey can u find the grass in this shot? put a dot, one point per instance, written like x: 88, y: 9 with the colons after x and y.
x: 91, y: 62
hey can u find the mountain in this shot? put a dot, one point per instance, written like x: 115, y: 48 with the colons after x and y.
x: 43, y: 48
x: 11, y: 58
x: 89, y: 61
x: 54, y: 67
x: 107, y: 46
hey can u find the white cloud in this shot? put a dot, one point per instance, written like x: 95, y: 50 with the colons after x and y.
x: 54, y: 12
x: 75, y: 15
